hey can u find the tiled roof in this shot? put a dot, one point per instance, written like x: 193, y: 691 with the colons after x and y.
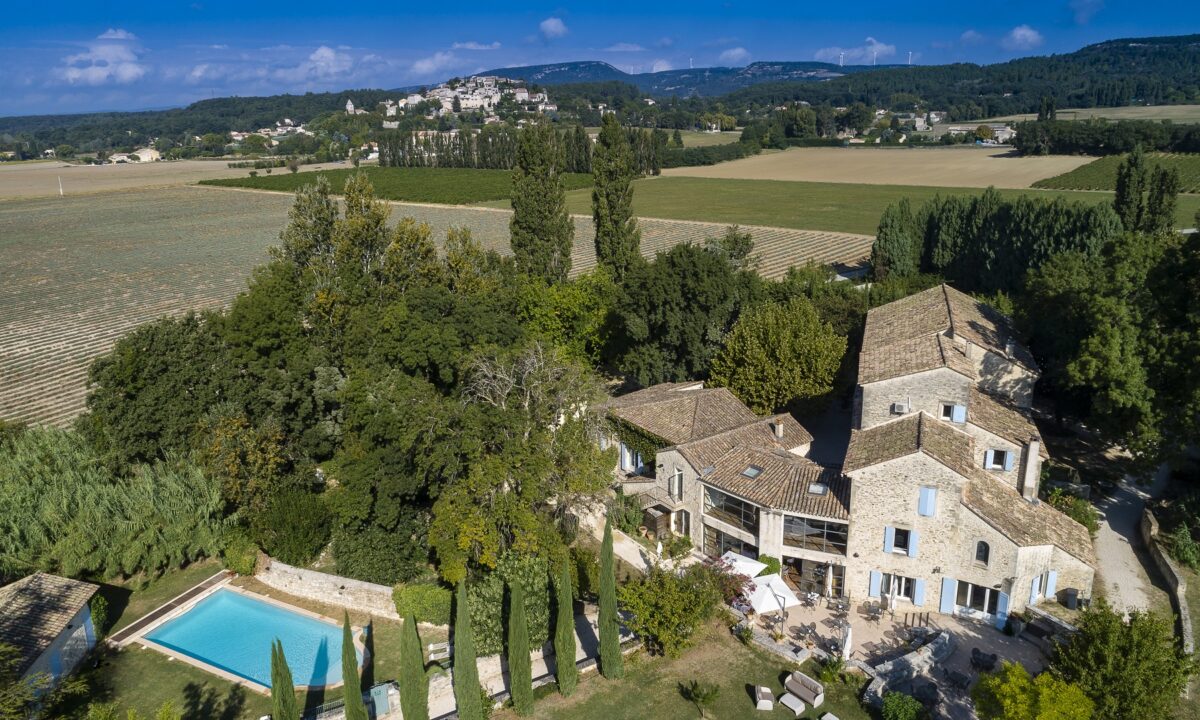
x: 782, y: 482
x: 760, y: 433
x: 36, y: 609
x: 916, y: 432
x: 1025, y: 523
x: 1000, y: 417
x: 682, y: 412
x: 913, y: 334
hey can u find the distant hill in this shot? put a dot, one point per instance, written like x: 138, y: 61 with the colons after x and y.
x: 704, y: 82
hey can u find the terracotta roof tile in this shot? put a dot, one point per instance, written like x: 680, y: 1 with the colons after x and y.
x: 36, y: 609
x: 682, y: 412
x: 760, y: 433
x: 1000, y: 417
x: 783, y: 482
x: 1025, y: 523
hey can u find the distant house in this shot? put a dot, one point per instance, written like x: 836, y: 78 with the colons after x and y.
x: 148, y: 154
x: 46, y: 618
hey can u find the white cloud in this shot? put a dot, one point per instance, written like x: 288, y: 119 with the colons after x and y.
x: 111, y: 58
x: 434, y: 63
x: 624, y: 47
x: 1085, y: 9
x: 734, y: 56
x: 664, y: 42
x: 552, y: 27
x: 661, y: 66
x: 472, y: 45
x: 970, y: 37
x: 869, y: 52
x: 1022, y: 37
x: 117, y: 34
x: 324, y: 63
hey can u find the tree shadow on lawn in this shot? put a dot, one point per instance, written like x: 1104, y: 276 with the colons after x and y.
x: 204, y: 702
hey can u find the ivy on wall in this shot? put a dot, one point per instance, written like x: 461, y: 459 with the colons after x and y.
x: 636, y: 439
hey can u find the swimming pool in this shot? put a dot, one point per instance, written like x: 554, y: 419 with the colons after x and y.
x: 233, y: 632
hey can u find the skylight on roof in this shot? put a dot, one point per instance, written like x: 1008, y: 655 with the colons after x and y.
x: 752, y: 472
x: 817, y: 488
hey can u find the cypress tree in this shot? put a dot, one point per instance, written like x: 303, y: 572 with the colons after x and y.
x: 542, y: 230
x: 564, y: 633
x: 414, y: 686
x: 355, y: 708
x: 896, y: 251
x: 618, y: 239
x: 1164, y: 195
x: 283, y: 689
x: 611, y: 662
x: 1130, y: 200
x: 466, y: 674
x: 520, y: 671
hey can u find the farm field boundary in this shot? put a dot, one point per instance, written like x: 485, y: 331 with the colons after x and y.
x: 76, y: 275
x: 1101, y: 174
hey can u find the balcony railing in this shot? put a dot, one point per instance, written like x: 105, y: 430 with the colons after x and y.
x: 735, y: 520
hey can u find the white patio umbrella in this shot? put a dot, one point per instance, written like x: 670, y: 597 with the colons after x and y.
x: 846, y: 640
x: 742, y: 565
x: 769, y: 593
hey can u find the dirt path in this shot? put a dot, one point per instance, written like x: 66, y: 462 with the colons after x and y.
x: 1123, y: 557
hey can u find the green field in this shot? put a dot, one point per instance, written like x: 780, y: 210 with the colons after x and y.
x: 447, y: 186
x: 837, y: 207
x: 1101, y: 174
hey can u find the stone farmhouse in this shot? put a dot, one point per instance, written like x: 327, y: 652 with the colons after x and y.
x: 935, y: 506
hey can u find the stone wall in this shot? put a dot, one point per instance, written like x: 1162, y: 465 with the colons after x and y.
x: 1175, y: 579
x: 922, y: 391
x: 331, y: 589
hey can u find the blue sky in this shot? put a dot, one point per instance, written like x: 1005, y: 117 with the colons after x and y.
x: 76, y: 56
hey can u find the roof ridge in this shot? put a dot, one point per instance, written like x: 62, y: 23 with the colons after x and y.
x: 949, y: 308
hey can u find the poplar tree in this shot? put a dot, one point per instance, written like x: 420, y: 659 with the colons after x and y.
x: 618, y: 239
x: 352, y: 687
x: 1160, y: 206
x: 542, y: 230
x: 896, y: 251
x: 611, y: 662
x: 564, y: 633
x: 467, y: 692
x: 414, y: 686
x: 520, y: 671
x: 1130, y: 200
x: 283, y: 689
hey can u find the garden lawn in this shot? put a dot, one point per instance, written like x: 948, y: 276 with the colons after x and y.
x: 836, y: 207
x: 1190, y: 709
x: 651, y: 687
x: 447, y: 186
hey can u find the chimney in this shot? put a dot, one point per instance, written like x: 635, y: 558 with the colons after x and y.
x: 1031, y: 478
x: 778, y: 425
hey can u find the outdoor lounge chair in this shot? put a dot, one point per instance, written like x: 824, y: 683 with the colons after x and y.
x: 805, y: 688
x: 764, y: 699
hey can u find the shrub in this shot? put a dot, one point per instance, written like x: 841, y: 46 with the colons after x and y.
x: 701, y: 694
x: 677, y: 546
x: 427, y: 602
x: 665, y: 608
x: 253, y: 173
x: 585, y: 573
x: 1076, y: 508
x: 1183, y: 547
x: 293, y: 527
x: 898, y: 706
x: 239, y: 552
x: 626, y: 513
x: 831, y: 670
x: 744, y: 633
x: 486, y: 601
x: 773, y: 565
x: 99, y: 608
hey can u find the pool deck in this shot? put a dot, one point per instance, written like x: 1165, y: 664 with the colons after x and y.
x: 186, y: 601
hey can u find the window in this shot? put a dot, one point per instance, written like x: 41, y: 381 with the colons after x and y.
x: 816, y: 535
x: 983, y: 552
x: 817, y: 488
x: 731, y: 510
x: 954, y: 413
x: 900, y: 541
x: 752, y: 472
x: 903, y: 586
x: 675, y: 484
x: 977, y: 597
x: 717, y: 543
x: 997, y: 460
x: 948, y: 412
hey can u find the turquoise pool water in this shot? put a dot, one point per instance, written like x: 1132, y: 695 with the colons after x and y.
x: 233, y: 632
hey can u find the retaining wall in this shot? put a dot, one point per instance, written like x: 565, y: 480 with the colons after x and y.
x: 1175, y: 579
x: 331, y: 589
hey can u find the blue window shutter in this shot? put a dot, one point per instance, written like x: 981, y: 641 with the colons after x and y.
x: 913, y: 535
x: 56, y: 666
x: 949, y: 589
x: 1035, y: 589
x: 927, y: 506
x: 1001, y: 611
x: 919, y: 592
x: 1008, y: 461
x: 876, y: 582
x: 987, y: 458
x: 889, y: 538
x: 1051, y: 583
x: 959, y: 413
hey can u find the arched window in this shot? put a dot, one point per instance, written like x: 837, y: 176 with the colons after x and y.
x: 982, y: 552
